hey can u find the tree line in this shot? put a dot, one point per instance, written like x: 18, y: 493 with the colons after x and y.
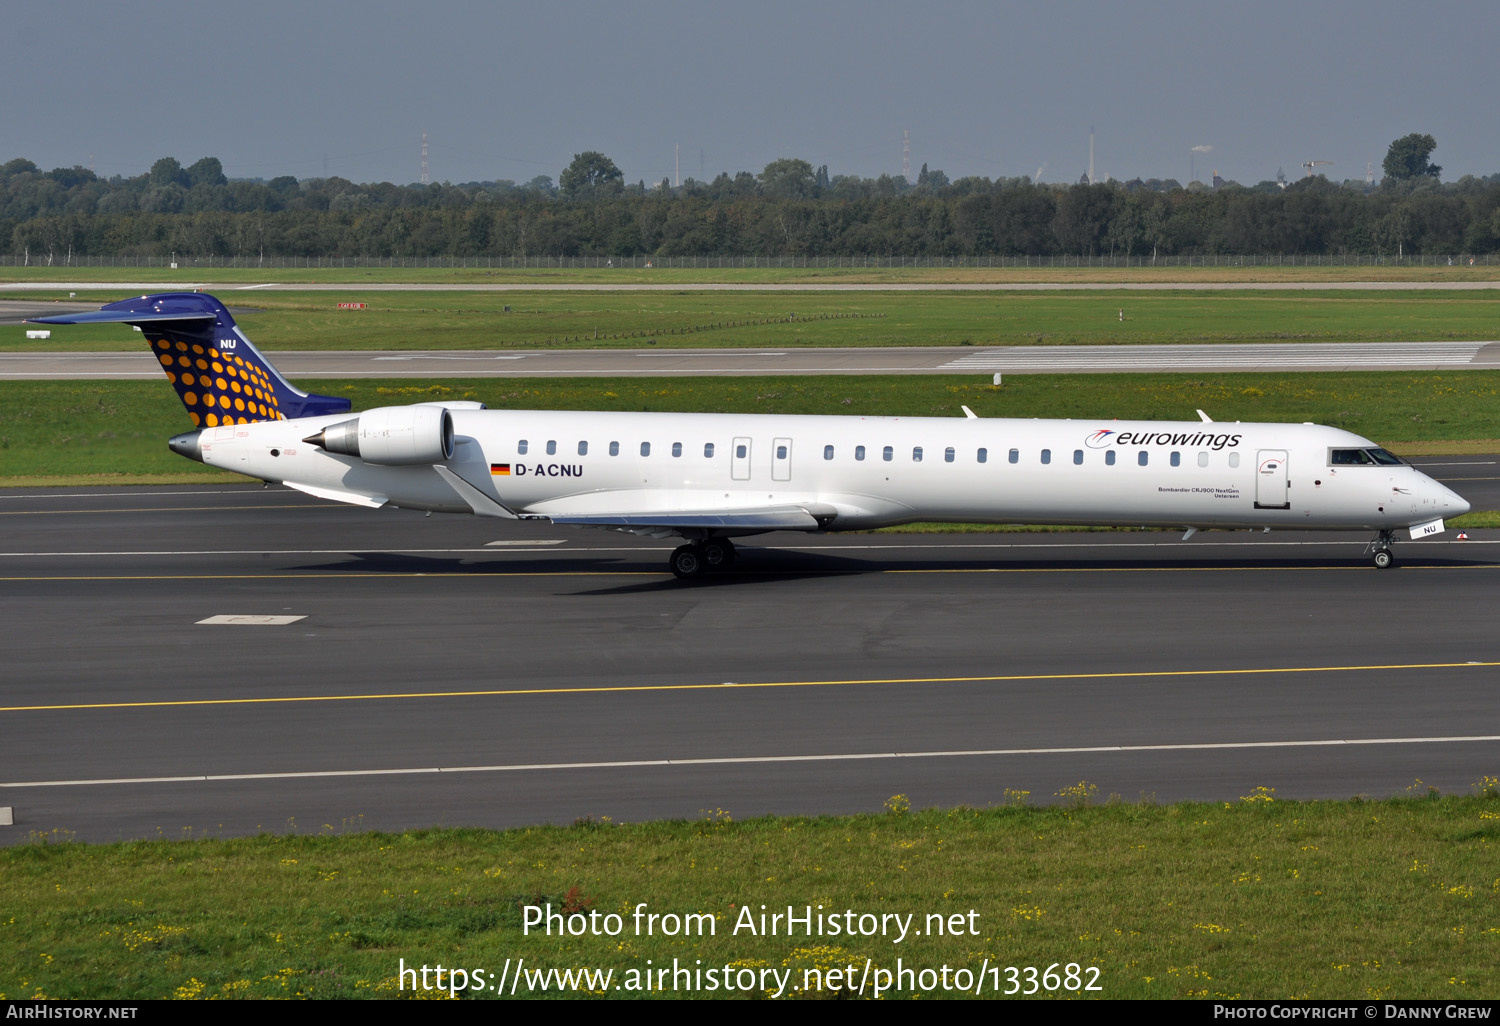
x: 789, y: 209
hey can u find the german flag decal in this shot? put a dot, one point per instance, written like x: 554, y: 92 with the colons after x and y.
x: 500, y: 469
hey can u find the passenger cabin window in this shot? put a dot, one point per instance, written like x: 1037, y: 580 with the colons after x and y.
x: 1109, y: 457
x: 1176, y: 460
x: 740, y: 451
x: 781, y: 452
x: 583, y: 448
x: 828, y: 452
x: 948, y: 454
x: 708, y: 450
x: 1203, y: 459
x: 1234, y: 459
x: 1046, y: 456
x: 1078, y: 457
x: 859, y: 452
x: 916, y: 454
x: 887, y: 454
x: 1143, y: 457
x: 551, y: 447
x: 983, y: 455
x: 614, y: 448
x: 521, y: 447
x: 645, y: 448
x: 676, y: 448
x: 1015, y: 456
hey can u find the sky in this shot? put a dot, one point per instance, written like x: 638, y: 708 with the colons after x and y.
x: 515, y: 90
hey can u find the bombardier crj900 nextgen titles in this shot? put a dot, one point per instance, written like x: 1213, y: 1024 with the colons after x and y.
x: 712, y: 477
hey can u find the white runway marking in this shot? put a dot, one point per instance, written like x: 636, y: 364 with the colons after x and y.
x: 461, y: 359
x: 756, y: 759
x: 108, y: 492
x: 1353, y: 355
x: 252, y: 619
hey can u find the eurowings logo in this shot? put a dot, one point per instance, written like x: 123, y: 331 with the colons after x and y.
x: 1099, y: 439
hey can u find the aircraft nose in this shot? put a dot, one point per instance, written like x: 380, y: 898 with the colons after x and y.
x: 1446, y: 499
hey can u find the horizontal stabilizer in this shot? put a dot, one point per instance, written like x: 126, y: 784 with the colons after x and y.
x: 126, y: 317
x: 772, y: 518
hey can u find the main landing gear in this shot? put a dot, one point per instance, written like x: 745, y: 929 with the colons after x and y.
x: 1380, y: 552
x: 697, y: 558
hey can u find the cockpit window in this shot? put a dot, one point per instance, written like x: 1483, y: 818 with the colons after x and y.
x: 1363, y: 458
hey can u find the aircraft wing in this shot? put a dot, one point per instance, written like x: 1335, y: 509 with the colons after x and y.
x: 644, y: 510
x: 768, y: 518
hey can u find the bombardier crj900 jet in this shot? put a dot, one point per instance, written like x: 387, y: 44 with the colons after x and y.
x: 709, y: 478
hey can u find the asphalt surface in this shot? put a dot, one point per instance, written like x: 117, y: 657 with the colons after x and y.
x: 451, y: 670
x: 617, y: 363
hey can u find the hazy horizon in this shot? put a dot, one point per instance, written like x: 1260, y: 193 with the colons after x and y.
x: 983, y: 89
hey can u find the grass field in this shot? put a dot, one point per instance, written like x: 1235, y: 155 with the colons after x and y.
x: 74, y: 429
x: 1259, y: 898
x: 592, y: 320
x: 190, y: 275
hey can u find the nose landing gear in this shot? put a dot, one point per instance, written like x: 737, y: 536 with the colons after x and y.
x: 1380, y: 552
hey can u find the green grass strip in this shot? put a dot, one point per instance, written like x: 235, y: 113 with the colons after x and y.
x: 715, y: 319
x: 1259, y: 898
x: 73, y: 429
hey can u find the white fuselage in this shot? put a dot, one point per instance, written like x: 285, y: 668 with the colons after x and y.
x: 869, y: 471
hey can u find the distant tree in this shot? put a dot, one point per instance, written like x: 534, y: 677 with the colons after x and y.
x: 71, y: 177
x: 167, y: 171
x: 541, y: 183
x: 207, y: 171
x: 931, y: 179
x: 590, y: 173
x: 19, y: 166
x: 1407, y: 158
x: 284, y: 184
x: 1084, y: 213
x: 788, y: 178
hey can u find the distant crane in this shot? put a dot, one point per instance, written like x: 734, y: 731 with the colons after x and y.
x: 1308, y: 165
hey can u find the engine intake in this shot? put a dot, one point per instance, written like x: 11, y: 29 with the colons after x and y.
x: 392, y: 436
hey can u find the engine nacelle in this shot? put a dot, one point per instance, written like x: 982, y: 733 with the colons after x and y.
x: 392, y: 436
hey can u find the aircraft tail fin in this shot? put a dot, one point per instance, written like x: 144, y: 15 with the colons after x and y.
x: 218, y: 373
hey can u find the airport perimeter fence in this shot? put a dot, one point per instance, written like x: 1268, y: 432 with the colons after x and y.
x: 754, y: 262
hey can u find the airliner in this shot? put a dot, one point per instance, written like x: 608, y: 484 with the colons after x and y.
x: 709, y: 478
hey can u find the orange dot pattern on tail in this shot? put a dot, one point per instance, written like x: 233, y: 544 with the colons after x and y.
x: 217, y: 387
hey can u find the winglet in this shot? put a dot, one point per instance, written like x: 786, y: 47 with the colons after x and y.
x: 969, y: 414
x: 1205, y: 417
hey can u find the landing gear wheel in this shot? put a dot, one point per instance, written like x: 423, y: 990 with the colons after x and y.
x: 717, y: 553
x: 687, y: 562
x: 1383, y: 559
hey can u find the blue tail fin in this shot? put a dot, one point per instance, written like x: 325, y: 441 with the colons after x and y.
x: 219, y: 375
